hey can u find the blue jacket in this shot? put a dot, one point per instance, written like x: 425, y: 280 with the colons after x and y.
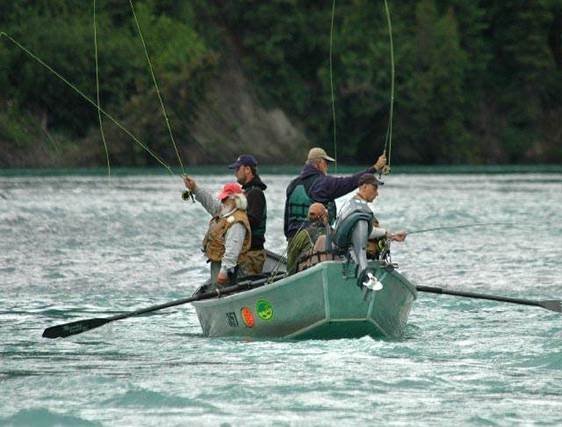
x: 324, y: 189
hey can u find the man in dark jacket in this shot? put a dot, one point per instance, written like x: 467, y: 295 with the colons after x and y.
x: 315, y: 185
x: 245, y: 170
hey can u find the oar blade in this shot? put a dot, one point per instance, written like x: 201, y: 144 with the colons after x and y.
x: 73, y: 328
x: 552, y: 305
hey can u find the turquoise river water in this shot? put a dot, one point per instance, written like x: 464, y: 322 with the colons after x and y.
x: 77, y: 246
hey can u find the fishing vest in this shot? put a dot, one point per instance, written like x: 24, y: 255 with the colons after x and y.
x: 302, y: 244
x: 214, y: 241
x: 355, y: 210
x: 298, y: 201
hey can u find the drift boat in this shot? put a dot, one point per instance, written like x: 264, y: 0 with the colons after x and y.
x: 321, y: 302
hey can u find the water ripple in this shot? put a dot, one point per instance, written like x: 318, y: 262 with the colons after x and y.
x: 80, y: 247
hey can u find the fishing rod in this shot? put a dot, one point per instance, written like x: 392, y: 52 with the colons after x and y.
x: 451, y: 227
x: 87, y: 99
x: 162, y: 107
x: 98, y: 96
x: 77, y: 327
x: 388, y: 138
x: 332, y: 86
x: 97, y: 104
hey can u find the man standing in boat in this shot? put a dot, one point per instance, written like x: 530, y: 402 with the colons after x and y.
x: 245, y: 170
x: 315, y: 185
x: 228, y: 238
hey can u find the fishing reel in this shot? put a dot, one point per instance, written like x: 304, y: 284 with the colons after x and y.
x: 384, y: 251
x: 186, y: 195
x: 379, y: 249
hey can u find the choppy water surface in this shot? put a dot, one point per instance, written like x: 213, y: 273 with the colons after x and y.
x: 77, y: 247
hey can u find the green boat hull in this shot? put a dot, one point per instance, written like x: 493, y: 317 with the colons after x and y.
x: 323, y: 302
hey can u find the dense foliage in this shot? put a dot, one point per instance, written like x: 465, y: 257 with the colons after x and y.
x: 476, y: 81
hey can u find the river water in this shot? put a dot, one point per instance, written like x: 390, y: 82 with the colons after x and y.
x: 75, y: 247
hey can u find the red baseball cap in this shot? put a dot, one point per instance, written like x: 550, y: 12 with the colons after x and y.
x: 229, y: 189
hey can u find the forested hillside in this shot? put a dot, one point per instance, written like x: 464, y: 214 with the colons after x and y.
x: 477, y: 82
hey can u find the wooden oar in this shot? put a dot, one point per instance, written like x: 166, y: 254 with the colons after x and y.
x: 79, y: 326
x: 553, y: 305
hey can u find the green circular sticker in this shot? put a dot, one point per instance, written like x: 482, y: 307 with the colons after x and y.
x: 264, y: 309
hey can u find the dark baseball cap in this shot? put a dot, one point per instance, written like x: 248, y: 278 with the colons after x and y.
x: 244, y: 160
x: 369, y: 178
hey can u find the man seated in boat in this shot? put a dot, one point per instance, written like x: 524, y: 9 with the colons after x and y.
x: 377, y: 247
x: 315, y: 185
x: 304, y: 242
x: 228, y: 238
x: 355, y: 224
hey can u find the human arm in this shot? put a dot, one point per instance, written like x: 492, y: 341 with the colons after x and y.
x: 378, y: 232
x: 206, y: 199
x: 327, y: 188
x: 399, y: 236
x: 233, y: 241
x: 380, y: 163
x: 256, y: 207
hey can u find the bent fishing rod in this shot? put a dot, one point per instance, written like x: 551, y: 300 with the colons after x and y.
x: 186, y: 195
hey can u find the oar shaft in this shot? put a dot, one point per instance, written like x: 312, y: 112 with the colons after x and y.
x: 181, y: 301
x: 79, y: 326
x: 435, y: 290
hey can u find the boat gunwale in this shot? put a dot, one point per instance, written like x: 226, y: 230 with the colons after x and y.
x: 322, y: 267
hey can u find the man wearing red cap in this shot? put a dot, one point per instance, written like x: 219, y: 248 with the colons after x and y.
x: 228, y: 238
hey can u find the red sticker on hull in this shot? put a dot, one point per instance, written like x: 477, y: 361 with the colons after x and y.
x: 248, y: 317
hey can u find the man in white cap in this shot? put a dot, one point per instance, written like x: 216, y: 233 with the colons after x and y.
x: 315, y: 185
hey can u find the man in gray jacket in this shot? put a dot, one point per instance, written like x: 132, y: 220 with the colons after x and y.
x: 228, y: 238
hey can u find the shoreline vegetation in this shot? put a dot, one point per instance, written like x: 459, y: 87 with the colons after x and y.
x: 477, y: 83
x: 283, y: 170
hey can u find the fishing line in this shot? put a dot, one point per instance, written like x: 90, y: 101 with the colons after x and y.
x: 88, y: 99
x: 388, y: 138
x: 332, y: 86
x: 480, y: 224
x: 98, y: 93
x: 156, y: 86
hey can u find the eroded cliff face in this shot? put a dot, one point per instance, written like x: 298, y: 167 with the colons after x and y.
x: 231, y: 120
x: 228, y: 121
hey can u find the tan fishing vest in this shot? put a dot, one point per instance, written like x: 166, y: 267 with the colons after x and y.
x: 213, y: 243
